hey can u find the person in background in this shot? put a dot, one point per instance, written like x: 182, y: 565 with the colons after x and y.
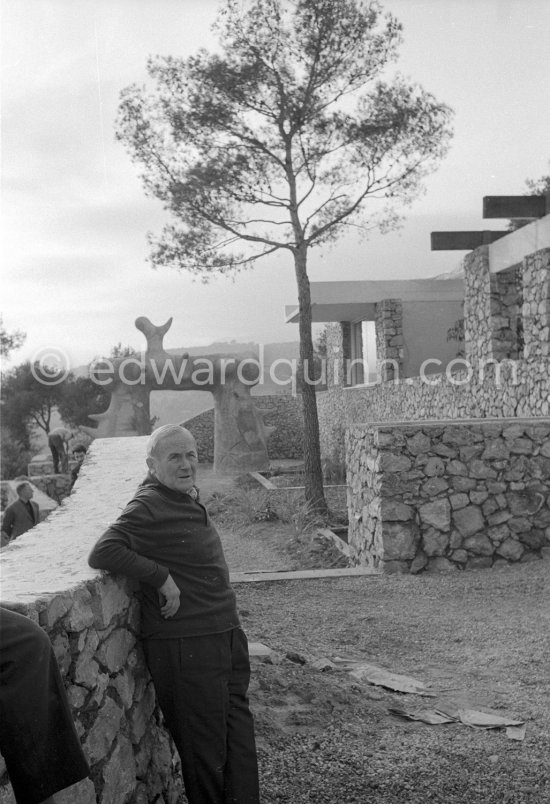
x: 21, y: 515
x: 58, y: 441
x: 38, y: 739
x: 79, y: 453
x: 196, y: 651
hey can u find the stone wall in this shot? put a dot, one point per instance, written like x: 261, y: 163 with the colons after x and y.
x: 284, y: 412
x: 514, y: 388
x: 92, y: 621
x: 55, y: 486
x: 474, y: 389
x: 448, y: 495
x: 536, y: 305
x: 389, y: 337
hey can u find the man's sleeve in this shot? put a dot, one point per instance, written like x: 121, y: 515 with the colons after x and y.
x: 115, y: 550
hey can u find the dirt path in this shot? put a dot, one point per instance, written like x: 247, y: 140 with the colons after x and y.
x: 257, y: 547
x: 480, y: 638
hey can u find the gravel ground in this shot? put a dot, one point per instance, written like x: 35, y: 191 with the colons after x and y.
x: 264, y: 548
x: 480, y: 638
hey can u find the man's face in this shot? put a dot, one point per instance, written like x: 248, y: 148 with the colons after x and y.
x: 175, y: 461
x: 26, y: 493
x: 79, y: 456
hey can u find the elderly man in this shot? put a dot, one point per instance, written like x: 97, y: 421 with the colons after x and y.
x: 20, y: 516
x: 194, y: 646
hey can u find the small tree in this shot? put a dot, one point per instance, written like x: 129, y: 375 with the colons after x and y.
x: 10, y: 341
x: 82, y: 396
x: 30, y: 394
x: 534, y: 187
x: 277, y: 143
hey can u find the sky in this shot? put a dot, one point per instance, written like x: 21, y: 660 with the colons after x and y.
x: 75, y: 271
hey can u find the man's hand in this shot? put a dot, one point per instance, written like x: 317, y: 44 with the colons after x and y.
x: 171, y: 595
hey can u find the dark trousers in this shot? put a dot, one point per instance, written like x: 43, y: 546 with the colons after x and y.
x: 38, y: 739
x: 201, y: 685
x: 59, y: 453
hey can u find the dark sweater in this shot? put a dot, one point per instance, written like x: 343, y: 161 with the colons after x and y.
x: 163, y: 532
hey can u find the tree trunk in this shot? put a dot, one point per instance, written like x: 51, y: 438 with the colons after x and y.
x: 312, y: 451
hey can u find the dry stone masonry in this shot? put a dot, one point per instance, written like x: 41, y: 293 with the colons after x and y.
x: 449, y: 495
x: 92, y: 621
x: 452, y: 504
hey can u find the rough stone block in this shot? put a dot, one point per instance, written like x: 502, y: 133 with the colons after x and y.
x: 459, y: 556
x: 455, y: 540
x: 80, y: 615
x: 480, y: 470
x: 468, y: 454
x: 62, y: 652
x: 418, y: 444
x: 534, y: 539
x: 496, y: 449
x: 394, y: 510
x: 398, y: 541
x: 140, y: 715
x: 436, y: 514
x: 125, y: 685
x: 418, y: 563
x: 111, y: 601
x: 104, y: 731
x: 457, y: 468
x: 459, y: 500
x: 525, y: 503
x: 86, y: 671
x: 496, y: 487
x: 519, y: 524
x: 55, y: 610
x: 434, y: 486
x: 521, y: 446
x: 113, y: 652
x: 511, y: 550
x: 478, y: 497
x: 77, y: 696
x: 542, y: 519
x: 458, y: 436
x: 435, y: 542
x: 468, y: 520
x: 119, y: 774
x: 480, y: 544
x: 499, y: 517
x: 539, y: 467
x: 434, y: 467
x: 463, y: 483
x: 392, y: 462
x: 444, y: 451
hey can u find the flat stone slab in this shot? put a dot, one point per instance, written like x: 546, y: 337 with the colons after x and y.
x: 292, y: 575
x: 257, y: 650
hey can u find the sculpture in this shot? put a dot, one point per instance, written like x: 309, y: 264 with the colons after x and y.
x: 240, y: 434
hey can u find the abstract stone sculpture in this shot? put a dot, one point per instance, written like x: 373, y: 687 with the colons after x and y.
x: 240, y: 434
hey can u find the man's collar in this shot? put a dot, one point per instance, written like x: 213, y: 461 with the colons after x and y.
x: 151, y: 480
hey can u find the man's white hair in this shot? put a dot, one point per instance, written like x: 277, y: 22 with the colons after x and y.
x: 163, y: 432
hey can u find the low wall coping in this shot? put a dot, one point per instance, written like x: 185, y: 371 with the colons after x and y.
x: 51, y: 558
x: 419, y: 423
